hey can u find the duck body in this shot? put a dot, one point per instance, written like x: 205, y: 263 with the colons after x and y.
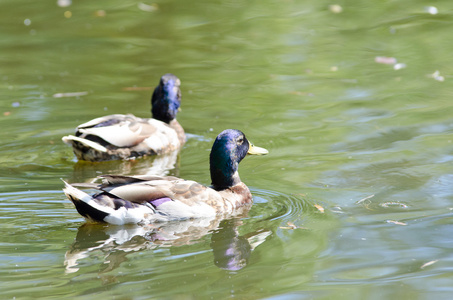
x: 121, y: 136
x: 124, y: 136
x: 147, y: 199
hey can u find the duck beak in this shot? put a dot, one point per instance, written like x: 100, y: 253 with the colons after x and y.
x: 254, y: 150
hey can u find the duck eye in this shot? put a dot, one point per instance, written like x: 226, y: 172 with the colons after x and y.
x: 240, y: 141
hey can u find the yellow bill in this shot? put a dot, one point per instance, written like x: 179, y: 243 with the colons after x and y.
x: 254, y: 150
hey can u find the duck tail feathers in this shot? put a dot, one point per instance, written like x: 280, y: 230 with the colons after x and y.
x: 86, y: 205
x: 107, y: 208
x: 70, y: 139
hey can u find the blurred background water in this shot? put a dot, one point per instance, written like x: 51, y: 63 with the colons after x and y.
x: 351, y: 98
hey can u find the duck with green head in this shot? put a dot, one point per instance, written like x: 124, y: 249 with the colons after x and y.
x: 126, y: 136
x: 146, y: 199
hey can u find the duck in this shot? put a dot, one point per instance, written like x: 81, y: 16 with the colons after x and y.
x: 147, y: 199
x: 120, y: 136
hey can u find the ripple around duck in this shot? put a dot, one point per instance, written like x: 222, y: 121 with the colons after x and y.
x: 272, y: 206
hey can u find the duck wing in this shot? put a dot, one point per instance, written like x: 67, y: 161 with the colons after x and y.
x: 171, y: 196
x: 118, y: 130
x: 109, y: 180
x: 140, y: 189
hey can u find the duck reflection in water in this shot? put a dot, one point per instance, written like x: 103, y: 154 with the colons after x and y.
x: 159, y: 165
x: 231, y: 250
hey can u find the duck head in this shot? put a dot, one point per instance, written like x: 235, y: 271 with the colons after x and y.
x: 166, y: 98
x: 229, y: 148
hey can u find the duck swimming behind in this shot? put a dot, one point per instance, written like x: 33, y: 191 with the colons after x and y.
x: 147, y: 199
x: 126, y: 136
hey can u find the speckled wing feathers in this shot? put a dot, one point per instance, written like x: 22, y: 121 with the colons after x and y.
x: 140, y: 189
x: 124, y: 136
x: 139, y: 192
x: 118, y: 130
x: 120, y: 179
x: 101, y: 120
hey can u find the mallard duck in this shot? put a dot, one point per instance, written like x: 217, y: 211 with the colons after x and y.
x: 126, y: 136
x: 146, y: 199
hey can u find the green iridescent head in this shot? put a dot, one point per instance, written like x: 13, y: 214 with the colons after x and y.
x: 229, y: 148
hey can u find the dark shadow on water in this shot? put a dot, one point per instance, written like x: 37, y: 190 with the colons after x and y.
x: 231, y: 250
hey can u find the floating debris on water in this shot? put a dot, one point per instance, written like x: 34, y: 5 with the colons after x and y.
x: 364, y: 199
x: 335, y: 8
x: 388, y: 204
x: 399, y: 66
x: 436, y: 75
x: 74, y: 94
x: 396, y: 222
x: 385, y: 60
x: 64, y: 3
x: 319, y: 207
x: 432, y: 10
x: 291, y: 226
x: 146, y: 7
x: 429, y: 264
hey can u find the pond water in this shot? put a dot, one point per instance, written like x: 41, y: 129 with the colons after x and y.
x: 354, y: 200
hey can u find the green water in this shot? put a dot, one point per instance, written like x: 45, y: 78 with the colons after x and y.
x: 370, y: 145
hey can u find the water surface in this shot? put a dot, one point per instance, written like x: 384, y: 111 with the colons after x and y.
x: 353, y: 202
